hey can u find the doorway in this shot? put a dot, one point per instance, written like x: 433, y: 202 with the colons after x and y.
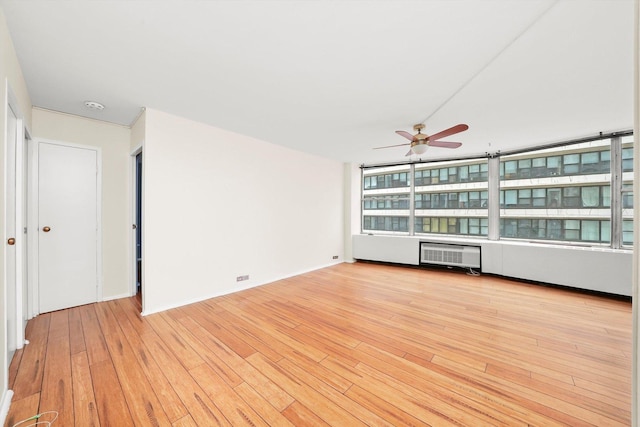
x: 138, y: 224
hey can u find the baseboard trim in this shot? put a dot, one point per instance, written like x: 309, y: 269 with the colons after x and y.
x: 5, y: 404
x: 113, y: 297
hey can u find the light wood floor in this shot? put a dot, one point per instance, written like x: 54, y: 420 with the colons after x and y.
x: 353, y: 344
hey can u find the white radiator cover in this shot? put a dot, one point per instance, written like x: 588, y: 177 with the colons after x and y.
x: 450, y: 255
x: 591, y: 268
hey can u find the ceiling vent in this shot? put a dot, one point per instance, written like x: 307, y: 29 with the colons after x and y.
x: 93, y: 105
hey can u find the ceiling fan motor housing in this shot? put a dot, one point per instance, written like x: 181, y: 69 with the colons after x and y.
x: 419, y: 138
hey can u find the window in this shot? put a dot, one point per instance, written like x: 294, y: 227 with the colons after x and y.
x: 386, y: 223
x: 539, y: 198
x: 554, y: 164
x: 571, y: 163
x: 430, y: 200
x: 596, y: 160
x: 386, y: 199
x: 553, y: 198
x: 386, y: 181
x: 452, y: 200
x: 463, y: 173
x: 391, y: 201
x: 563, y: 193
x: 589, y: 162
x: 627, y: 159
x: 524, y: 168
x: 596, y: 231
x: 590, y: 197
x: 452, y: 225
x: 627, y: 232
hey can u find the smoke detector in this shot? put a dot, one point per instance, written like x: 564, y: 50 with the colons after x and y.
x: 93, y: 105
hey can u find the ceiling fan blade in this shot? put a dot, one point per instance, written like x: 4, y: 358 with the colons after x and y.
x: 445, y: 144
x: 405, y: 134
x: 389, y: 146
x: 410, y: 152
x: 452, y: 130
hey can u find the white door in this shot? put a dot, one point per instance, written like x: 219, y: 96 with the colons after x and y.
x: 68, y: 226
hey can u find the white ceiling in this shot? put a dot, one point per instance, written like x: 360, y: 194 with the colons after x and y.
x: 337, y: 78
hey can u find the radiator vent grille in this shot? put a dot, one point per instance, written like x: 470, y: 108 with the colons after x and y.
x: 454, y: 255
x: 448, y: 257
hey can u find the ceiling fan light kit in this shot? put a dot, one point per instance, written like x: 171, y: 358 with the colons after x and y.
x: 419, y: 148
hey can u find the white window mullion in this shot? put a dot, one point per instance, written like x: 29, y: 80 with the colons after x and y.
x: 493, y: 204
x: 616, y: 192
x: 412, y: 200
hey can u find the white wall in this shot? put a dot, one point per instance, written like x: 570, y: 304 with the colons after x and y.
x: 218, y: 205
x: 114, y: 141
x: 10, y: 76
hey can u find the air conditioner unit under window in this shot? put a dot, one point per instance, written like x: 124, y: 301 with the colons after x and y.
x: 450, y: 255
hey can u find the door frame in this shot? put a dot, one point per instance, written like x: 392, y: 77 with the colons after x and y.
x: 34, y: 282
x: 134, y: 193
x: 22, y: 135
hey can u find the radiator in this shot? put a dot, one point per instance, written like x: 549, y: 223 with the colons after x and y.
x: 452, y: 255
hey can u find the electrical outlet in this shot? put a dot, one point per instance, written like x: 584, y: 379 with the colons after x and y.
x: 242, y: 278
x: 335, y: 257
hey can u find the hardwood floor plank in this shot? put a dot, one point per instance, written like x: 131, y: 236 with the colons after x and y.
x: 409, y: 394
x: 325, y: 387
x: 300, y: 416
x: 235, y: 333
x: 351, y: 344
x: 169, y: 400
x: 14, y: 366
x: 22, y: 409
x: 110, y: 399
x: 186, y: 421
x: 85, y: 412
x: 198, y: 404
x: 130, y: 310
x: 263, y: 407
x: 29, y: 377
x: 57, y: 371
x: 196, y: 343
x: 235, y: 409
x: 93, y: 335
x: 136, y: 389
x: 317, y: 372
x: 315, y: 401
x: 179, y: 347
x: 378, y: 405
x: 277, y: 337
x: 76, y: 333
x: 445, y: 382
x: 260, y: 383
x: 108, y: 323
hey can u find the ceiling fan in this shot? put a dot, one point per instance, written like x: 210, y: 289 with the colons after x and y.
x: 420, y: 141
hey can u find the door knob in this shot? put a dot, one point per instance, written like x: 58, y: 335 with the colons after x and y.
x: 11, y: 241
x: 46, y: 229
